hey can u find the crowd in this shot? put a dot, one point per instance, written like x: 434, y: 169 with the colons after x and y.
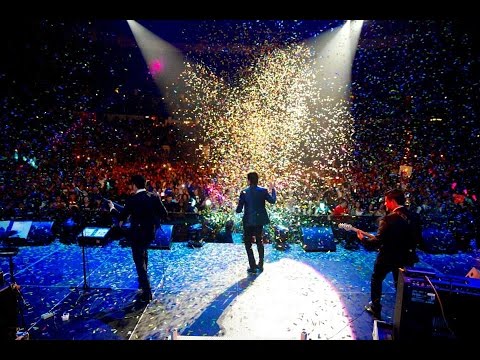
x: 65, y: 149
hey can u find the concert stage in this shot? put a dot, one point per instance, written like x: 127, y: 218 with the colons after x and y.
x: 205, y: 292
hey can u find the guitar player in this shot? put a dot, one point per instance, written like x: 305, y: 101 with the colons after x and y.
x: 398, y: 235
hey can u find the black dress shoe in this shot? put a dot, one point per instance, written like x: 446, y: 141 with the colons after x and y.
x: 145, y: 296
x: 252, y: 271
x: 260, y: 267
x: 374, y: 312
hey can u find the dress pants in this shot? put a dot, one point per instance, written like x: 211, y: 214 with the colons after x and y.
x: 140, y: 258
x: 251, y: 234
x: 380, y: 272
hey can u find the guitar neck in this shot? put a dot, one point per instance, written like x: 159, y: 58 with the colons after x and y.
x: 371, y: 236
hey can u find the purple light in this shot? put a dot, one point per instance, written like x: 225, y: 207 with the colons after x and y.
x: 156, y: 66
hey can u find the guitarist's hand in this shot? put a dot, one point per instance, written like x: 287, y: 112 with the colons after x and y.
x: 360, y: 235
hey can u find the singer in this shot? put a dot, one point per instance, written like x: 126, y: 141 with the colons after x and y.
x: 146, y: 211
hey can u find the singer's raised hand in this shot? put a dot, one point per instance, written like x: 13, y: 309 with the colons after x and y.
x: 271, y: 186
x: 110, y: 205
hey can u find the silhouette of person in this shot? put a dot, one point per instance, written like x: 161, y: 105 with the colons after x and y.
x: 252, y: 202
x: 145, y: 210
x: 399, y: 233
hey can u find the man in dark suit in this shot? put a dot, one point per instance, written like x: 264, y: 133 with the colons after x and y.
x: 145, y: 210
x: 398, y: 235
x: 252, y: 203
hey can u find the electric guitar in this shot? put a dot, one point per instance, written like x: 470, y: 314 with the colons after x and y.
x: 349, y: 227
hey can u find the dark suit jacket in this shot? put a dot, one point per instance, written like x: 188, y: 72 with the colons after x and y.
x: 399, y: 234
x: 252, y: 200
x: 146, y: 211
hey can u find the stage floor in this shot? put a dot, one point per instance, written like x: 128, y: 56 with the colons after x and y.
x: 205, y: 292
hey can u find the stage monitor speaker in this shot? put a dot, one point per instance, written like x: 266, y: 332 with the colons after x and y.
x: 318, y: 238
x: 181, y: 232
x: 97, y: 236
x: 27, y: 232
x: 5, y: 229
x: 163, y: 238
x: 17, y: 231
x: 430, y: 306
x: 40, y: 233
x: 438, y: 240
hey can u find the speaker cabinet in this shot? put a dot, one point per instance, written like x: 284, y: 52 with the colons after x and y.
x: 438, y: 240
x: 318, y: 238
x: 430, y: 306
x: 163, y: 238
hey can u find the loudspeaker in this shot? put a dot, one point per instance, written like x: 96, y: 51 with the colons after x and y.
x: 473, y: 273
x: 41, y: 233
x: 437, y: 240
x: 163, y: 238
x: 430, y: 306
x: 181, y: 232
x: 318, y: 238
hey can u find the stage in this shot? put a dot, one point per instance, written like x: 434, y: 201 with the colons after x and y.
x: 204, y: 292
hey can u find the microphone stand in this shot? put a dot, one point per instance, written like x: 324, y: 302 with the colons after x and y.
x: 82, y: 222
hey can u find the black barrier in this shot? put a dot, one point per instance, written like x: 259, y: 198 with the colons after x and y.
x: 182, y: 223
x: 311, y: 220
x: 441, y: 234
x: 175, y: 218
x: 162, y: 240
